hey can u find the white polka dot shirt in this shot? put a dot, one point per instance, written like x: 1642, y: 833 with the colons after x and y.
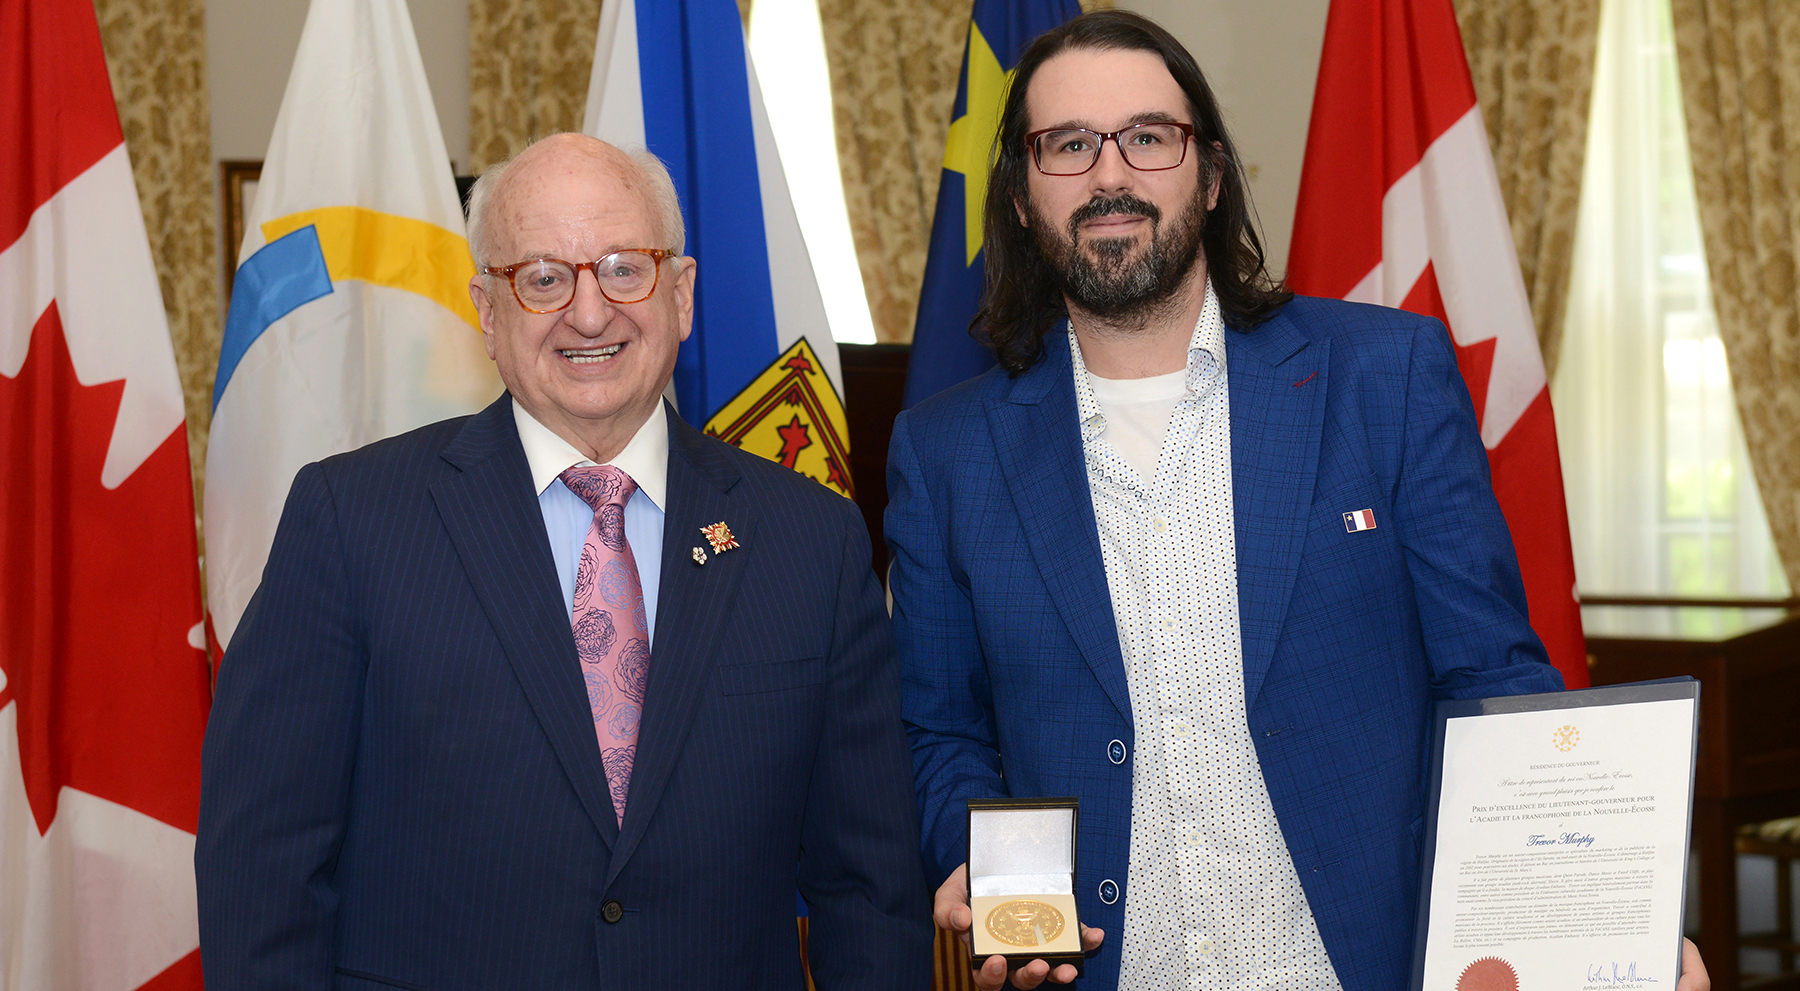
x: 1211, y: 900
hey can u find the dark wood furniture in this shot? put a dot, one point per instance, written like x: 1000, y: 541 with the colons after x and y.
x: 874, y: 381
x: 1748, y: 664
x: 1779, y: 840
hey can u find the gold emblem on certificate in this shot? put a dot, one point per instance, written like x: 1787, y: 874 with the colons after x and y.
x: 1024, y: 922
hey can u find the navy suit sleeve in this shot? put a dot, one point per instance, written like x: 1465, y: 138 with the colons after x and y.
x: 947, y: 697
x: 1459, y: 552
x: 870, y: 920
x: 277, y: 762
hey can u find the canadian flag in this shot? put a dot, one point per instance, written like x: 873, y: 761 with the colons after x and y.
x: 103, y: 678
x: 1400, y: 205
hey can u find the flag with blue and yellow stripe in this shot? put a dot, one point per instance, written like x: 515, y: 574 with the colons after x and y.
x: 943, y: 353
x: 350, y: 317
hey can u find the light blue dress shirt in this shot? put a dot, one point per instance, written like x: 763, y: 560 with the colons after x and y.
x: 567, y: 517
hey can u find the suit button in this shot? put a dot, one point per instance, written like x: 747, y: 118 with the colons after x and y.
x: 1115, y: 752
x: 612, y: 911
x: 1109, y: 892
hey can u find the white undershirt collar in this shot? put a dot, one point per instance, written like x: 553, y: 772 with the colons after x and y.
x: 645, y: 458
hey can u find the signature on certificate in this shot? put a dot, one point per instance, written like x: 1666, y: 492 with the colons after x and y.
x: 1616, y: 973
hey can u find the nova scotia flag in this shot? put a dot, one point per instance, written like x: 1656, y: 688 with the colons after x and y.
x: 760, y: 369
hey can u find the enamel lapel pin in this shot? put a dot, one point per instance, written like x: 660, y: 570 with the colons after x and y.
x: 719, y: 536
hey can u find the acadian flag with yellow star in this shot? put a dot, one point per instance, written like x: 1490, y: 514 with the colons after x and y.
x: 943, y: 353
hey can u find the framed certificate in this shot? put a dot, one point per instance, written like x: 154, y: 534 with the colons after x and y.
x: 1556, y: 840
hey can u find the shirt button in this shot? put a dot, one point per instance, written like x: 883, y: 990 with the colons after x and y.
x: 1160, y: 524
x: 1115, y: 752
x: 1181, y: 730
x: 1192, y: 838
x: 1168, y: 624
x: 1109, y: 891
x: 612, y: 911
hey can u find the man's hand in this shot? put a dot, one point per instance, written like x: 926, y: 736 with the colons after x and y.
x: 1693, y: 969
x: 951, y: 911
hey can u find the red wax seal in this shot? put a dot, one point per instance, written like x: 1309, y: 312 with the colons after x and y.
x: 1488, y: 974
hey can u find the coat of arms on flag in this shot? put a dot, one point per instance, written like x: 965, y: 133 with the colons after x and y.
x: 791, y: 414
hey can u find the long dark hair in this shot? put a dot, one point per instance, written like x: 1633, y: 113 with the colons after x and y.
x: 1021, y: 299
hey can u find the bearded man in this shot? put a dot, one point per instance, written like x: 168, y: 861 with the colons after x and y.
x: 1200, y: 552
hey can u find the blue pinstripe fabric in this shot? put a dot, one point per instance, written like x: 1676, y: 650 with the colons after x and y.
x: 1010, y: 664
x: 401, y: 786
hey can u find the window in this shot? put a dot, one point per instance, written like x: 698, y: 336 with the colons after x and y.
x: 1662, y: 500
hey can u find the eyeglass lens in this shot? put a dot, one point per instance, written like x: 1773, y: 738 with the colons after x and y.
x: 1145, y: 146
x: 549, y: 283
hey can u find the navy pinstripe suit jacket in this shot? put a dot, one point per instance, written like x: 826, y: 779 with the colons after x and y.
x: 1011, y: 671
x: 401, y: 784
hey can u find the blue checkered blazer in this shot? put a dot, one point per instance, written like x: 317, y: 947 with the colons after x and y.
x: 1011, y: 672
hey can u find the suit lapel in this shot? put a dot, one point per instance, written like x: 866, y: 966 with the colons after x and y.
x: 498, y: 530
x: 1278, y: 388
x: 1038, y: 442
x: 691, y: 607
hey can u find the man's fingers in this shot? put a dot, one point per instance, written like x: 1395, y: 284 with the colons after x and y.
x: 1091, y: 938
x: 950, y: 907
x: 1693, y: 970
x: 992, y: 975
x: 955, y: 918
x: 1030, y: 975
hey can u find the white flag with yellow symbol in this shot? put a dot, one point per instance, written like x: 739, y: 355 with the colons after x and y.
x: 350, y: 318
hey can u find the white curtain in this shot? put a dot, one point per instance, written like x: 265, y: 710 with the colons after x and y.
x: 1661, y: 498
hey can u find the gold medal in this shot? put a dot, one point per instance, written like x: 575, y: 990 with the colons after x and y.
x: 1025, y: 922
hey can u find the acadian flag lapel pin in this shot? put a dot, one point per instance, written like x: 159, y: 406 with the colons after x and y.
x: 1362, y: 519
x: 719, y: 536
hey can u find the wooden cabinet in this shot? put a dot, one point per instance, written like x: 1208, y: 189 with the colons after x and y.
x: 1748, y: 664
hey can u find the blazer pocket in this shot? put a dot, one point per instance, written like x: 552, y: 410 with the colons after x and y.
x: 356, y: 980
x: 771, y: 676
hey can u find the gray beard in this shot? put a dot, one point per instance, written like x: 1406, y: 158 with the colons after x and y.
x: 1104, y: 280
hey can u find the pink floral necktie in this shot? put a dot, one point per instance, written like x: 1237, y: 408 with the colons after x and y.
x: 611, y: 636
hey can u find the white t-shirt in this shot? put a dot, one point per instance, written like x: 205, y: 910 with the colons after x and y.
x: 1137, y: 415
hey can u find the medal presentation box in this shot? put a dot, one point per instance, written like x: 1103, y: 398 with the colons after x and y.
x: 1022, y: 880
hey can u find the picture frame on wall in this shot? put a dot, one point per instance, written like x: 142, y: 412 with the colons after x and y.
x: 237, y: 193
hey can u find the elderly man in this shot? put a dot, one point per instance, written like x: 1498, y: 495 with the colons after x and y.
x: 1122, y: 566
x: 562, y: 694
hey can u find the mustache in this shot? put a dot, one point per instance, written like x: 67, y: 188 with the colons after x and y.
x: 1102, y: 206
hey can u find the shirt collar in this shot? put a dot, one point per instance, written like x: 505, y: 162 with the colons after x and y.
x: 1206, y: 357
x: 645, y: 458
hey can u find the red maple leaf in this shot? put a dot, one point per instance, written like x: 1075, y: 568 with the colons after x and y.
x: 98, y: 591
x: 794, y: 439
